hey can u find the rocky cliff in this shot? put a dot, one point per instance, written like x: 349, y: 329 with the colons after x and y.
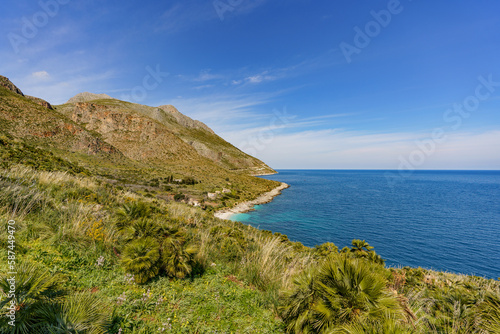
x: 157, y: 134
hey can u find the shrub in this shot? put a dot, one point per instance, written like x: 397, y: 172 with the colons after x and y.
x: 179, y: 197
x: 140, y: 258
x: 337, y: 292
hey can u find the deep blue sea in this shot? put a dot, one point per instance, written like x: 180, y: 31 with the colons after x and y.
x: 442, y: 220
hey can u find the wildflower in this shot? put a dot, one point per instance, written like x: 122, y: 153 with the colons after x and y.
x: 121, y: 298
x: 100, y: 261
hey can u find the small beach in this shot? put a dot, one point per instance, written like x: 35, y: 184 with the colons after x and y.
x: 248, y: 205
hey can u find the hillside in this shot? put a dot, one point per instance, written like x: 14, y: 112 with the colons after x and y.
x: 140, y: 147
x: 106, y: 260
x: 109, y: 114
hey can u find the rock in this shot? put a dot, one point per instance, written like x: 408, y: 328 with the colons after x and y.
x: 183, y: 119
x: 5, y: 82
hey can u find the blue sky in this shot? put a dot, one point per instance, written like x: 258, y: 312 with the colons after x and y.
x: 299, y: 84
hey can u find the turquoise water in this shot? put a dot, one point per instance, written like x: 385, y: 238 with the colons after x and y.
x: 443, y: 220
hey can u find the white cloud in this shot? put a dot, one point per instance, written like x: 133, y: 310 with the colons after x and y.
x: 60, y: 92
x: 223, y: 111
x: 341, y: 149
x: 41, y: 75
x: 205, y: 75
x: 260, y: 78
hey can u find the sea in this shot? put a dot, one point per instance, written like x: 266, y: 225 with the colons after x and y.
x: 442, y: 220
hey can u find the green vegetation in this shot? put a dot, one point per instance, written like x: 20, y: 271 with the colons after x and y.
x: 113, y: 232
x: 93, y: 259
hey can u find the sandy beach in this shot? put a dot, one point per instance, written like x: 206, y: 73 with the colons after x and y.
x: 248, y: 206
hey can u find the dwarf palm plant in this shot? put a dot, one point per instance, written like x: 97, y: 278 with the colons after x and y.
x: 171, y: 235
x: 342, y: 290
x: 79, y: 313
x: 375, y: 327
x: 351, y: 289
x: 142, y: 228
x: 35, y: 290
x: 140, y: 258
x: 360, y: 246
x: 298, y: 303
x: 490, y: 313
x: 132, y: 211
x: 177, y: 260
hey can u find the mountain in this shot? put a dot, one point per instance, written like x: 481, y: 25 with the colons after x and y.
x: 86, y: 96
x: 131, y: 144
x: 156, y: 134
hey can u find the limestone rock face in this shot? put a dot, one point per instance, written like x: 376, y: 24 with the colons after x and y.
x: 40, y: 124
x: 138, y: 137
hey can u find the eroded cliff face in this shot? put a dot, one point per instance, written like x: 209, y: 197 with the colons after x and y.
x: 137, y: 137
x: 159, y: 135
x: 38, y: 123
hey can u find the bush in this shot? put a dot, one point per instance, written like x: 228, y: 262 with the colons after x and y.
x: 179, y: 197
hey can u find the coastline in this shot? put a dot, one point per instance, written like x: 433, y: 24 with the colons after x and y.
x: 248, y: 205
x: 264, y: 174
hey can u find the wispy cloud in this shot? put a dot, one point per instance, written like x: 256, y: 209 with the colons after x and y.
x: 342, y: 149
x: 41, y: 75
x: 222, y: 111
x: 57, y: 92
x: 207, y: 75
x: 185, y: 15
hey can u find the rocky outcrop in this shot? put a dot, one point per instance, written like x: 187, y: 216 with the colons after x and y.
x: 138, y: 137
x: 40, y: 101
x: 86, y: 96
x: 185, y: 120
x: 5, y: 82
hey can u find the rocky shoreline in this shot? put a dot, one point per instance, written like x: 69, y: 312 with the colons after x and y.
x: 248, y: 206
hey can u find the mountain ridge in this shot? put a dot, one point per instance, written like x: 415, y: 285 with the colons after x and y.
x: 130, y: 144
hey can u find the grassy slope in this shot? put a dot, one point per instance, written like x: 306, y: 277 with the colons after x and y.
x: 58, y: 231
x: 66, y: 223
